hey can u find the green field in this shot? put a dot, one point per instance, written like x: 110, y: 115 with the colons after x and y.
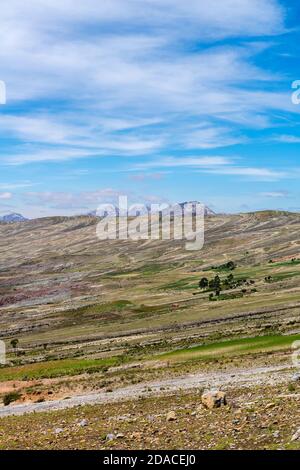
x: 233, y: 348
x: 52, y: 369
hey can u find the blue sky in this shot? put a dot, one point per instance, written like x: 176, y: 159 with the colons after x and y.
x: 162, y: 100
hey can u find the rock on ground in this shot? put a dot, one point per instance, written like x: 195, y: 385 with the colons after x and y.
x: 213, y: 399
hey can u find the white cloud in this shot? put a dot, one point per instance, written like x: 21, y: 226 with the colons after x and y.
x: 287, y: 139
x: 125, y: 66
x: 121, y: 146
x: 40, y: 128
x: 6, y: 196
x: 43, y: 54
x: 263, y: 174
x: 275, y: 194
x: 140, y: 177
x: 221, y: 166
x: 19, y: 185
x: 47, y: 155
x: 83, y: 200
x: 211, y: 137
x: 171, y: 162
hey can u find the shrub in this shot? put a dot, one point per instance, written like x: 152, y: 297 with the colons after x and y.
x: 203, y: 284
x: 291, y: 387
x: 230, y: 266
x: 11, y: 397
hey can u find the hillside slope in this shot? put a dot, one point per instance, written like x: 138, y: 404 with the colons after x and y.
x: 52, y: 267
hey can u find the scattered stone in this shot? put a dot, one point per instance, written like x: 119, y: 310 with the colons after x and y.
x: 171, y: 416
x: 214, y: 399
x: 276, y: 434
x: 296, y: 377
x: 296, y: 436
x: 83, y: 423
x: 110, y: 437
x: 120, y: 436
x: 58, y: 430
x: 270, y: 405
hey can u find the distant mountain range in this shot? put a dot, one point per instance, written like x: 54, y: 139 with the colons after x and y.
x: 176, y: 209
x: 207, y: 210
x: 13, y: 217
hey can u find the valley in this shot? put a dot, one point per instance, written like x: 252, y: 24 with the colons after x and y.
x: 123, y: 323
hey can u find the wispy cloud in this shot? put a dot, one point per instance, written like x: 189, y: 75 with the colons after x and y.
x: 260, y: 174
x: 275, y: 194
x: 147, y: 176
x: 220, y: 166
x: 287, y: 139
x: 133, y: 63
x: 172, y: 162
x: 18, y: 185
x: 208, y: 137
x: 5, y: 196
x: 82, y: 200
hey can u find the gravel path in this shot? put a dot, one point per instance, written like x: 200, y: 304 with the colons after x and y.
x: 246, y: 377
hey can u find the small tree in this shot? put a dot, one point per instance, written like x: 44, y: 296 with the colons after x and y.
x: 14, y: 343
x: 216, y: 285
x: 231, y: 265
x: 229, y: 281
x: 203, y: 284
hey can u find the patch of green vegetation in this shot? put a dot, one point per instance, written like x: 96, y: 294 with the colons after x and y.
x: 154, y: 268
x: 234, y: 295
x: 230, y: 266
x: 149, y: 269
x: 291, y: 387
x: 233, y: 347
x: 58, y: 368
x: 11, y: 397
x: 117, y: 273
x: 145, y: 270
x: 98, y: 309
x: 146, y: 310
x: 223, y: 444
x: 283, y: 276
x: 292, y: 262
x: 182, y: 284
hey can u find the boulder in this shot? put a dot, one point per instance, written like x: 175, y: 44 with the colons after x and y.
x: 296, y: 377
x: 296, y: 436
x: 171, y: 416
x: 214, y: 399
x: 58, y: 430
x: 83, y: 423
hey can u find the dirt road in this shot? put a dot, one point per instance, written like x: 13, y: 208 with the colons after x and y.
x: 271, y: 375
